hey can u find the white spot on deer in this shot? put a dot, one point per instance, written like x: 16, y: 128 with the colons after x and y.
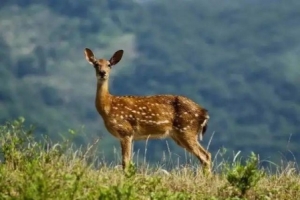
x: 196, y: 115
x: 162, y: 122
x: 121, y: 117
x: 185, y: 113
x: 130, y: 115
x: 143, y: 113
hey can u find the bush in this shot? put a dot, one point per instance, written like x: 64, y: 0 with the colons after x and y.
x: 243, y: 177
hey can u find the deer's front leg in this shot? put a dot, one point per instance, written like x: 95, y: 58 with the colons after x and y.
x: 126, y: 144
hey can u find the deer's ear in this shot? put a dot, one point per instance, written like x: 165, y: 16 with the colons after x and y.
x: 116, y: 57
x: 89, y: 55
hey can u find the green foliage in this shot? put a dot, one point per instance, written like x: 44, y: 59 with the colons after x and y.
x: 131, y: 170
x: 32, y: 169
x: 244, y: 177
x: 130, y: 190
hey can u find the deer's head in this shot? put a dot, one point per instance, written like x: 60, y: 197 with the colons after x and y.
x: 102, y: 66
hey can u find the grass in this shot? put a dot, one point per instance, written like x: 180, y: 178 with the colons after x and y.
x: 31, y: 169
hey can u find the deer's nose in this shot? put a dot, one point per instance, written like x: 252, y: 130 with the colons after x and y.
x: 102, y: 73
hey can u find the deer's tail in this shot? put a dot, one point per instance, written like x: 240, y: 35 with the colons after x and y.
x: 203, y: 126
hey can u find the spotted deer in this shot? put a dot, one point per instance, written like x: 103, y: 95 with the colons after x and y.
x: 130, y: 118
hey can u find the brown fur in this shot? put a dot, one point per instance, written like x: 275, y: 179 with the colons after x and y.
x: 130, y: 118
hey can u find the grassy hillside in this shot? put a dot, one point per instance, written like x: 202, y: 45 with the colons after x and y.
x: 43, y: 170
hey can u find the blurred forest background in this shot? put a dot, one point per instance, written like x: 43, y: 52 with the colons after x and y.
x: 237, y: 58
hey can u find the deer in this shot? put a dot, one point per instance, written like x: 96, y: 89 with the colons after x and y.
x: 132, y: 118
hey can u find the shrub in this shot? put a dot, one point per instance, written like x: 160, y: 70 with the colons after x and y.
x: 244, y: 177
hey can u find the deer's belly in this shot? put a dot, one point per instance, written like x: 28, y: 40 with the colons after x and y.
x: 140, y: 130
x: 152, y: 132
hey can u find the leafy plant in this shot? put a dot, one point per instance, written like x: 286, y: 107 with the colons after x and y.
x: 131, y: 170
x: 244, y: 177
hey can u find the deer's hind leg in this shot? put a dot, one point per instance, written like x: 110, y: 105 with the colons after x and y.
x: 189, y: 141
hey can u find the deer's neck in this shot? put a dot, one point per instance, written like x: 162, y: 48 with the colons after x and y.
x: 103, y: 98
